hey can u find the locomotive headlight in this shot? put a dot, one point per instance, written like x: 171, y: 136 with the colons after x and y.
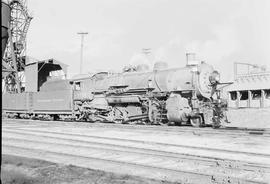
x: 214, y: 77
x: 217, y: 78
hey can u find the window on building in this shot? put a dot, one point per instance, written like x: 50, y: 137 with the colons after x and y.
x: 243, y: 95
x: 233, y: 95
x: 267, y: 93
x: 77, y: 86
x: 256, y: 95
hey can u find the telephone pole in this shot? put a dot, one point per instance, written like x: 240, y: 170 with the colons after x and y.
x: 82, y: 37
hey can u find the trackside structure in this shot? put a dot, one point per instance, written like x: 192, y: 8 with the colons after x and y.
x: 251, y: 88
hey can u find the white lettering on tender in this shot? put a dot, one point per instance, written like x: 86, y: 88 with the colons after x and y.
x: 51, y: 100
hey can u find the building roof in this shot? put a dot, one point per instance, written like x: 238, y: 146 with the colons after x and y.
x: 63, y: 66
x: 251, y: 82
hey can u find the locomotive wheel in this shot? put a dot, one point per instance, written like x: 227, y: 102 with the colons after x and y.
x: 196, y: 121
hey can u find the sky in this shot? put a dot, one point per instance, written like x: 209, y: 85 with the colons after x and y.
x: 220, y: 32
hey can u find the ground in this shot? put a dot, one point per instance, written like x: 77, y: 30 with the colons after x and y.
x: 249, y: 117
x: 20, y: 170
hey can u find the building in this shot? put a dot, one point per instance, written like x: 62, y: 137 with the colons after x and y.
x: 251, y: 88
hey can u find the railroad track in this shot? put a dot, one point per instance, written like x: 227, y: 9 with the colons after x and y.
x: 223, y: 131
x: 144, y: 158
x: 77, y: 136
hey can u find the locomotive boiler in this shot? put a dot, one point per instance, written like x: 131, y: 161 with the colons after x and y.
x: 177, y: 96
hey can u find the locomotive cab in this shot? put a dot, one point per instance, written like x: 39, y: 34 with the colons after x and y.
x: 37, y: 73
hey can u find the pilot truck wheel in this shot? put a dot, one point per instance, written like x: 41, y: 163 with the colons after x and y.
x: 196, y: 121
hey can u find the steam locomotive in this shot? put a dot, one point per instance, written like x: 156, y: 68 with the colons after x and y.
x: 163, y: 96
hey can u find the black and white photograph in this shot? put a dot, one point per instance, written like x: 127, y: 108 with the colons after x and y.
x: 135, y: 92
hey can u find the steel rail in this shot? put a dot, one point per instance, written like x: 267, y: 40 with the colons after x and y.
x: 153, y: 143
x: 232, y: 131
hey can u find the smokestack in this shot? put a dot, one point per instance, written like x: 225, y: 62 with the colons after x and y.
x: 191, y: 59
